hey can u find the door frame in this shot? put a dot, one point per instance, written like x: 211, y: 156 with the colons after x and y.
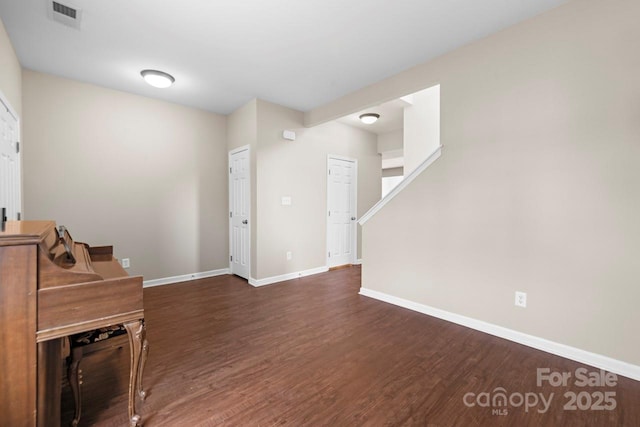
x: 6, y: 105
x: 230, y: 187
x: 354, y: 224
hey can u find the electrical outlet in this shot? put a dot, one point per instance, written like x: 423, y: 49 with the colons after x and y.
x: 289, y: 256
x: 125, y: 263
x: 521, y: 299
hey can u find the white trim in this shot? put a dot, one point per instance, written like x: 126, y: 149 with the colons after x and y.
x: 354, y: 228
x: 239, y: 149
x: 398, y: 188
x: 288, y: 276
x: 358, y: 262
x: 346, y: 159
x: 184, y: 278
x: 596, y: 360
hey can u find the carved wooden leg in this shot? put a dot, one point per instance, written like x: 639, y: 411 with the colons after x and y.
x: 135, y: 331
x: 74, y: 375
x: 143, y: 362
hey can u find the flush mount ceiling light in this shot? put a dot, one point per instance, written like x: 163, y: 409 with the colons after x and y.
x: 369, y: 118
x: 157, y: 78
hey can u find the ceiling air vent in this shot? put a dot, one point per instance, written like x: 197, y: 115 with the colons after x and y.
x: 65, y: 10
x: 64, y: 13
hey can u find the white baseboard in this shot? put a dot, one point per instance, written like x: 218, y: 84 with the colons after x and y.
x: 288, y: 276
x: 184, y: 278
x: 358, y: 262
x: 596, y: 360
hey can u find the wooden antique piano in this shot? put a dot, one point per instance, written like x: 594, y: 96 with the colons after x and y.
x: 50, y: 288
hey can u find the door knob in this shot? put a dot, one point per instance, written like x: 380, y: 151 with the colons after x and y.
x: 245, y: 221
x: 353, y: 218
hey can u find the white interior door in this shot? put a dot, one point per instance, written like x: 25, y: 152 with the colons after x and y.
x: 341, y: 211
x: 10, y: 190
x: 239, y: 213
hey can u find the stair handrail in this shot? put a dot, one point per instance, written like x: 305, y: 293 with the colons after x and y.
x: 398, y: 188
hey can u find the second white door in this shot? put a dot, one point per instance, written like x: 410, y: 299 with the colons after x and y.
x: 239, y: 213
x: 9, y: 163
x: 341, y: 211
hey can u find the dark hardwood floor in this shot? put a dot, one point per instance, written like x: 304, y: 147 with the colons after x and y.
x: 312, y: 352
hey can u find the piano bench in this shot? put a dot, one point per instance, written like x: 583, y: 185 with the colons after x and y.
x: 86, y: 343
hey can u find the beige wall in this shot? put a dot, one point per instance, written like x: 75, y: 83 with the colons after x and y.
x: 391, y: 141
x: 537, y: 187
x: 144, y: 175
x: 10, y: 72
x: 421, y: 135
x: 393, y: 172
x: 298, y: 169
x: 242, y: 126
x: 151, y: 177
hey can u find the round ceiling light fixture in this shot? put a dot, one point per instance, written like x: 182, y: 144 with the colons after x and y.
x: 156, y: 78
x: 369, y: 118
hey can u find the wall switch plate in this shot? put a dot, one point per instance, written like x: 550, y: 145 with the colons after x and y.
x: 286, y: 200
x: 521, y: 299
x: 289, y: 256
x: 125, y: 263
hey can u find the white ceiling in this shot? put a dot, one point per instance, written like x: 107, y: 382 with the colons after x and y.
x: 391, y: 117
x: 297, y: 53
